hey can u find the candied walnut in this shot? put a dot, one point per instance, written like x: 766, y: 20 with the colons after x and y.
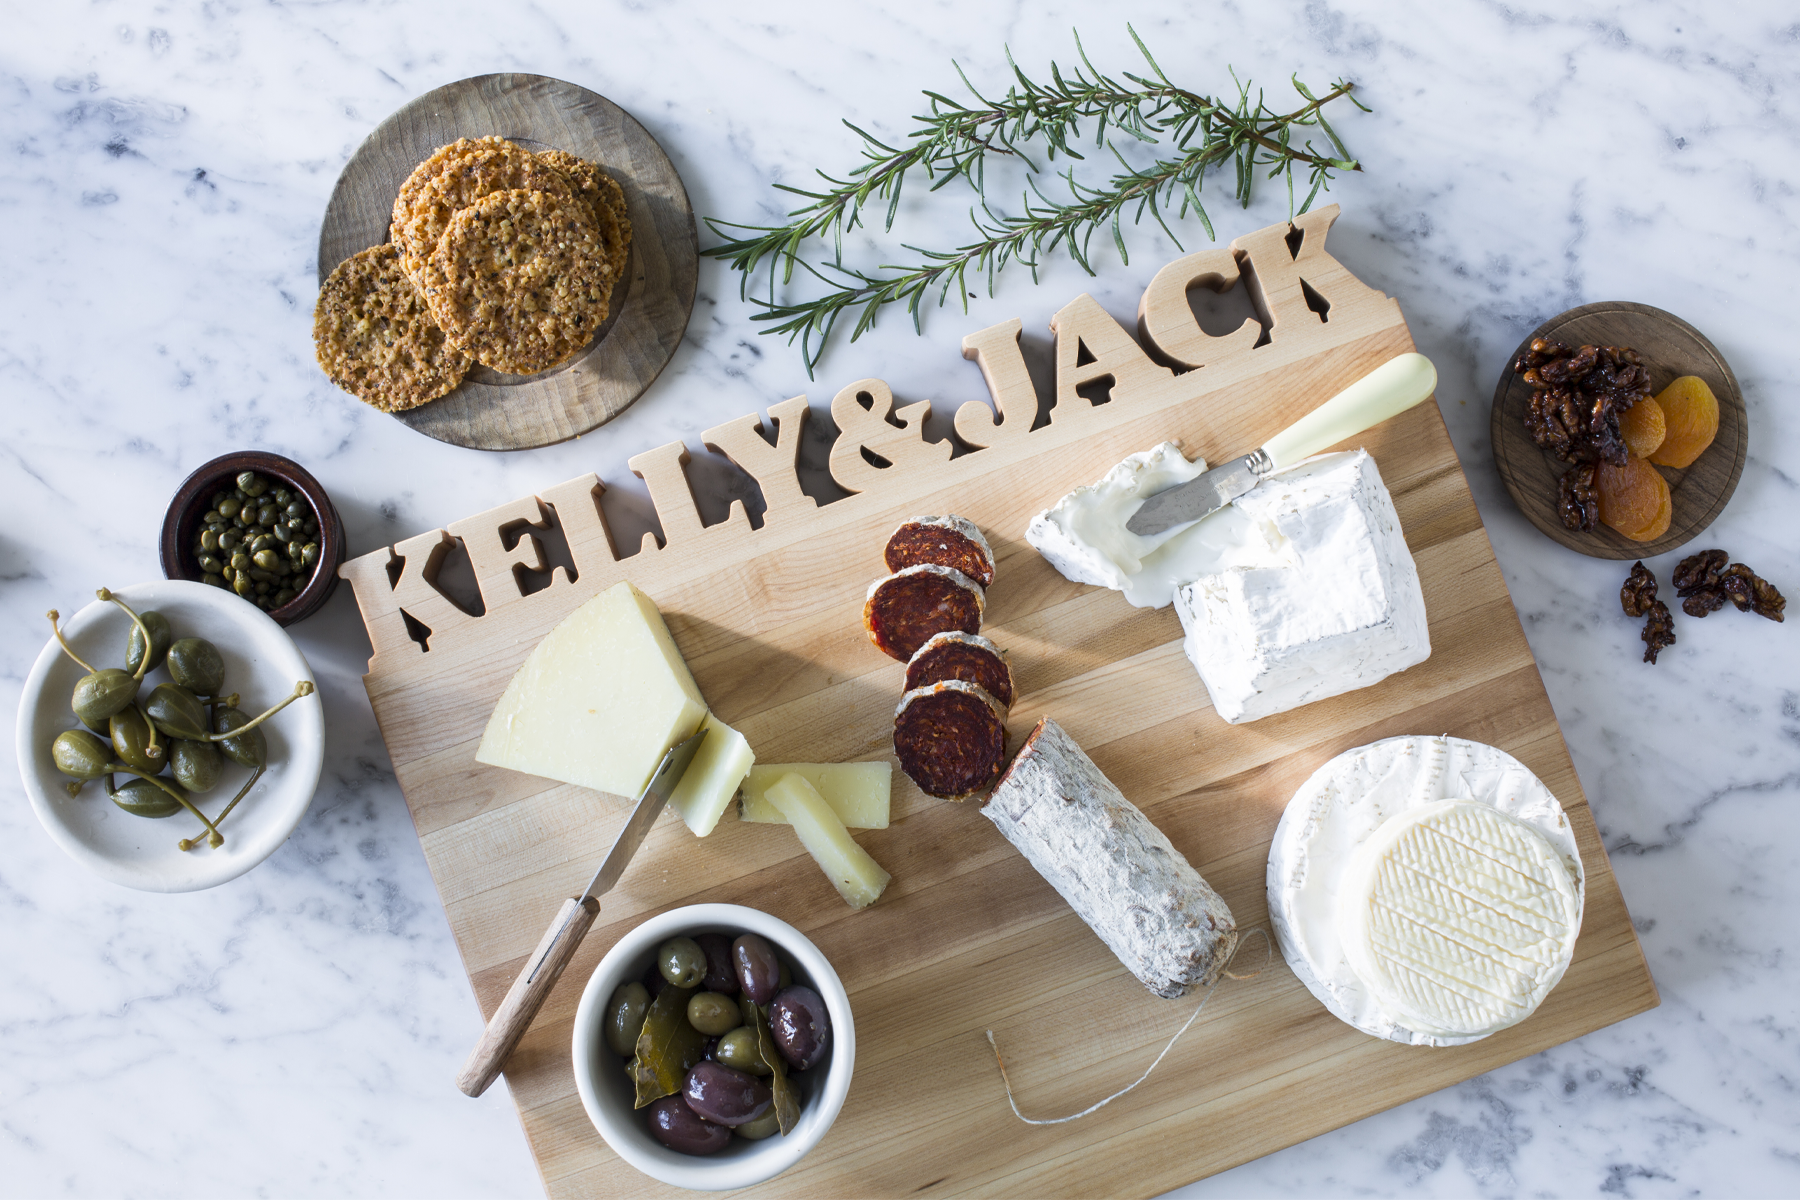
x: 1751, y: 593
x: 1576, y: 502
x: 1643, y: 427
x: 1691, y: 417
x: 1699, y: 571
x: 1578, y: 397
x: 1659, y: 631
x: 1639, y: 592
x: 1631, y: 496
x: 1700, y: 601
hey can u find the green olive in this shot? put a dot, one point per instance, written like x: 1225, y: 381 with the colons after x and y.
x: 681, y: 961
x: 141, y: 798
x: 196, y: 765
x: 625, y: 1017
x: 103, y: 694
x: 131, y: 736
x: 196, y: 665
x: 176, y: 711
x: 249, y: 748
x: 764, y: 1126
x: 80, y: 755
x: 737, y: 1048
x: 161, y: 635
x: 713, y: 1013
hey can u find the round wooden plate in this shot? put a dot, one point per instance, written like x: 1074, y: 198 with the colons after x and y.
x: 1671, y: 347
x: 650, y: 305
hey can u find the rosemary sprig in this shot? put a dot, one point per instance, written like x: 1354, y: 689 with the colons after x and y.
x: 954, y: 140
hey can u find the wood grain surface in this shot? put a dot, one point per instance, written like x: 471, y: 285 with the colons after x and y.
x: 1671, y: 348
x: 650, y: 304
x: 968, y: 938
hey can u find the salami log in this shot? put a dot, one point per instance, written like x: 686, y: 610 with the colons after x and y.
x: 1114, y: 867
x: 965, y: 656
x: 950, y: 739
x: 948, y: 541
x: 904, y: 609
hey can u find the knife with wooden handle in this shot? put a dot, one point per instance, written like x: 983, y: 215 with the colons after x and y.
x: 1387, y: 391
x: 558, y: 945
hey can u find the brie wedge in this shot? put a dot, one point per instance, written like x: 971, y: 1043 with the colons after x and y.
x: 599, y: 700
x: 1427, y: 890
x: 1339, y: 609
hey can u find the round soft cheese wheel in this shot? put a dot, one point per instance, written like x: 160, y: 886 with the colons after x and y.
x: 1458, y: 917
x: 1341, y: 817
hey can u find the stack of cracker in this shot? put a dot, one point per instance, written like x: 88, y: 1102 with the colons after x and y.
x: 498, y: 256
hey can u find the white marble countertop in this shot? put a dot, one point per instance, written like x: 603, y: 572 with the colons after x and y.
x: 295, y: 1032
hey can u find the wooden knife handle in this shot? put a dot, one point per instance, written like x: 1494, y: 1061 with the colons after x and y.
x: 527, y: 994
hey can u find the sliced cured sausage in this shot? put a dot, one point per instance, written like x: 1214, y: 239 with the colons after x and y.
x: 1114, y: 867
x: 965, y: 656
x: 948, y: 541
x: 904, y: 609
x: 950, y: 739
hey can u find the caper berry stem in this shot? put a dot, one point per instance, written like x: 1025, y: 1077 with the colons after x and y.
x: 151, y: 748
x: 63, y: 641
x: 303, y: 688
x: 213, y: 837
x: 242, y: 792
x: 143, y: 631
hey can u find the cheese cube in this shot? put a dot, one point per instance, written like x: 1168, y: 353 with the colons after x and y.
x: 858, y: 878
x: 599, y: 700
x: 712, y: 779
x: 857, y: 792
x: 1342, y: 612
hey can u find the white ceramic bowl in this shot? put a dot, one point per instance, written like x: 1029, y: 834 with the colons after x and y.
x: 262, y: 664
x: 607, y: 1094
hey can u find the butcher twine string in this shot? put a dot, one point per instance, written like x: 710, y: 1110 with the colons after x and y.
x: 1093, y: 1108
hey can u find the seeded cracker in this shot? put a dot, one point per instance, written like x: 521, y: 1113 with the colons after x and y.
x: 375, y: 339
x: 520, y: 280
x: 500, y: 167
x: 604, y: 194
x: 440, y: 160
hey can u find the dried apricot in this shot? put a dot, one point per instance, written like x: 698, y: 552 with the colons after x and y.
x: 1643, y: 427
x: 1691, y: 415
x: 1630, y: 496
x: 1659, y: 524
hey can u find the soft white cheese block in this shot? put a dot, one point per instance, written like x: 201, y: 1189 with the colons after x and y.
x: 711, y: 780
x: 1084, y: 536
x: 1426, y: 890
x: 599, y: 700
x: 858, y: 792
x: 1343, y: 611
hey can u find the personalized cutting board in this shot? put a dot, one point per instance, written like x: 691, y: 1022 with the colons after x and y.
x: 968, y: 938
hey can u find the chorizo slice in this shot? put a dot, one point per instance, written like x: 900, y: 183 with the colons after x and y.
x: 965, y: 656
x: 950, y: 739
x: 1112, y: 864
x: 904, y: 609
x: 948, y: 541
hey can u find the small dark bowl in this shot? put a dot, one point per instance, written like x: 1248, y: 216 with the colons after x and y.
x: 195, y: 494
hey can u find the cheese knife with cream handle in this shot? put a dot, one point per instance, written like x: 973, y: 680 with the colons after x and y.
x: 559, y: 942
x: 1387, y: 391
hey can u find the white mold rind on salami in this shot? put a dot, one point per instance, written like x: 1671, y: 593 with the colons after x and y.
x: 1114, y: 867
x: 953, y: 524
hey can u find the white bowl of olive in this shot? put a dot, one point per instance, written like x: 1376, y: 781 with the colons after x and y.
x: 713, y: 1047
x: 174, y: 761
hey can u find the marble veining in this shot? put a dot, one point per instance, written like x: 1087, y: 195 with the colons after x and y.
x: 295, y: 1031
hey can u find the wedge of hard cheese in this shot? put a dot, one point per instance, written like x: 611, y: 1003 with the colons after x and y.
x: 857, y: 792
x: 859, y: 879
x: 712, y: 779
x: 599, y: 700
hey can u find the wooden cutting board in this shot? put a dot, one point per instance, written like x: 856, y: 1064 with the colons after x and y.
x: 968, y: 938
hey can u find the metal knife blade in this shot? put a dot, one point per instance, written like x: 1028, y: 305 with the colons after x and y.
x: 1200, y: 496
x: 649, y: 806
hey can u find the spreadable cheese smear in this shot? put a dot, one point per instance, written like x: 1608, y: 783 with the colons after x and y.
x: 1426, y: 890
x: 599, y: 700
x: 1342, y: 611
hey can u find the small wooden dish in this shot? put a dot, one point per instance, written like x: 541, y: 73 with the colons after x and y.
x: 195, y: 494
x: 651, y: 303
x: 1671, y: 347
